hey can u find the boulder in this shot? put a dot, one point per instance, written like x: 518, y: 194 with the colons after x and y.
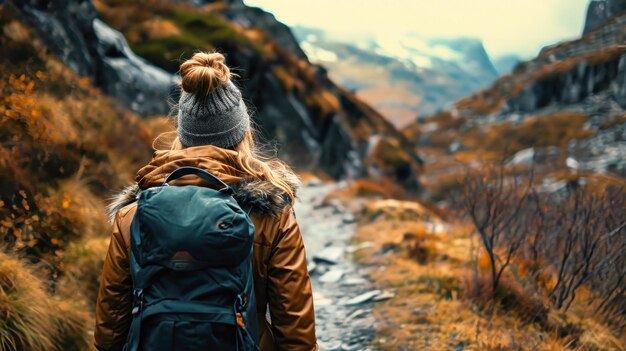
x: 72, y: 30
x: 141, y: 86
x: 522, y: 157
x: 332, y: 276
x: 329, y: 255
x: 597, y: 15
x: 599, y: 12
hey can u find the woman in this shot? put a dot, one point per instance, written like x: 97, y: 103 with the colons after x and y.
x: 214, y: 134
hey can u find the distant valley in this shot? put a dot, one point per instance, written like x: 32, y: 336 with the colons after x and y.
x: 407, y: 77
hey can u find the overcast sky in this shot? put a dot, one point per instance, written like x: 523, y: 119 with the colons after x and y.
x: 522, y: 27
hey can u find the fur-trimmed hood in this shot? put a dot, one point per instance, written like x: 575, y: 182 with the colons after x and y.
x: 256, y: 195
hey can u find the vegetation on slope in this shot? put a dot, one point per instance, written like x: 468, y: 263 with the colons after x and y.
x: 63, y: 147
x: 523, y: 271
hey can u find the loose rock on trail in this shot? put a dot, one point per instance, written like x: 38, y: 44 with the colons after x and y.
x: 342, y: 294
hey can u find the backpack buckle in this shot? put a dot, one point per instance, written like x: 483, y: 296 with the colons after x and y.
x: 241, y: 303
x: 137, y: 301
x: 240, y: 306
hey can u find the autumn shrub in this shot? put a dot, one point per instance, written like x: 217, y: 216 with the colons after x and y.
x: 564, y: 244
x: 482, y: 103
x: 364, y: 189
x: 440, y: 138
x: 419, y: 247
x: 323, y: 104
x: 614, y: 121
x: 157, y: 29
x: 289, y: 83
x: 510, y: 295
x: 73, y: 322
x: 57, y: 130
x: 444, y: 286
x: 445, y: 186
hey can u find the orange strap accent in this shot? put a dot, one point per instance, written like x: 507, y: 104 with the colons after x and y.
x: 240, y: 320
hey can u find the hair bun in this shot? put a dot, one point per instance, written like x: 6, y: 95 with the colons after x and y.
x: 203, y: 73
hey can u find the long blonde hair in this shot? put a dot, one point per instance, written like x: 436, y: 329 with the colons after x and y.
x: 202, y: 74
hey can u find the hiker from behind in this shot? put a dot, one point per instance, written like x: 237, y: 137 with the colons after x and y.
x: 206, y: 253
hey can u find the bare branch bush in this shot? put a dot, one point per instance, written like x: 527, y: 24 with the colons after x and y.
x: 577, y: 239
x: 498, y: 207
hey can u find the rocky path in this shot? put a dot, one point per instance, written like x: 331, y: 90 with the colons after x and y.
x: 343, y: 296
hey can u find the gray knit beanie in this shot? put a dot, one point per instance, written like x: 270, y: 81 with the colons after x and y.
x: 210, y: 110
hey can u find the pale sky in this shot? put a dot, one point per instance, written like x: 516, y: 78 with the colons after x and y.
x: 522, y: 27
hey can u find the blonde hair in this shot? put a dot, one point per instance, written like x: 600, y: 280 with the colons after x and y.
x: 249, y: 159
x: 204, y: 73
x: 254, y: 163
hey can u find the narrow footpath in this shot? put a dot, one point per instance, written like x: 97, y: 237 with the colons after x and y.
x: 343, y: 296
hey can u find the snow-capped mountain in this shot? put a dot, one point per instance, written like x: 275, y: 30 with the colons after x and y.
x: 403, y: 77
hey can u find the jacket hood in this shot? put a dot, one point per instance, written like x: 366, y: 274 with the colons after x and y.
x: 257, y: 195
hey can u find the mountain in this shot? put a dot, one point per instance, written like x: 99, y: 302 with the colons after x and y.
x: 599, y: 12
x: 567, y: 107
x: 132, y: 52
x: 402, y: 77
x: 504, y: 64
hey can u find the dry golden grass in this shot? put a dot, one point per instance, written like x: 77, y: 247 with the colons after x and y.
x: 438, y: 303
x: 398, y: 210
x: 380, y: 188
x: 540, y: 131
x: 82, y: 265
x: 34, y: 320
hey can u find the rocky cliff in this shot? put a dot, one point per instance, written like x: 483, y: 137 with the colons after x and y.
x: 572, y: 96
x: 601, y: 11
x: 132, y: 52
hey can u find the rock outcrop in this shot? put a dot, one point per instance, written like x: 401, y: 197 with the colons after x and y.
x: 72, y: 30
x: 583, y: 78
x: 254, y: 17
x: 600, y: 12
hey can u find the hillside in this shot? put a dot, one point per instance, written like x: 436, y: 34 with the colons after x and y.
x: 64, y: 145
x: 404, y: 77
x: 524, y: 247
x: 564, y: 109
x: 314, y: 123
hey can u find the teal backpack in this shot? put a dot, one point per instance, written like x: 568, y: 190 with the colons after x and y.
x: 191, y: 266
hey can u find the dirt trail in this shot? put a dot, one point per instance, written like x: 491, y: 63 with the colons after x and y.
x: 343, y: 320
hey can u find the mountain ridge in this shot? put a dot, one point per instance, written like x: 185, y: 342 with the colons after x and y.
x: 580, y: 81
x: 402, y: 77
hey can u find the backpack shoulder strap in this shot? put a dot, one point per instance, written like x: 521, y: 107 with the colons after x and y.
x: 204, y: 174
